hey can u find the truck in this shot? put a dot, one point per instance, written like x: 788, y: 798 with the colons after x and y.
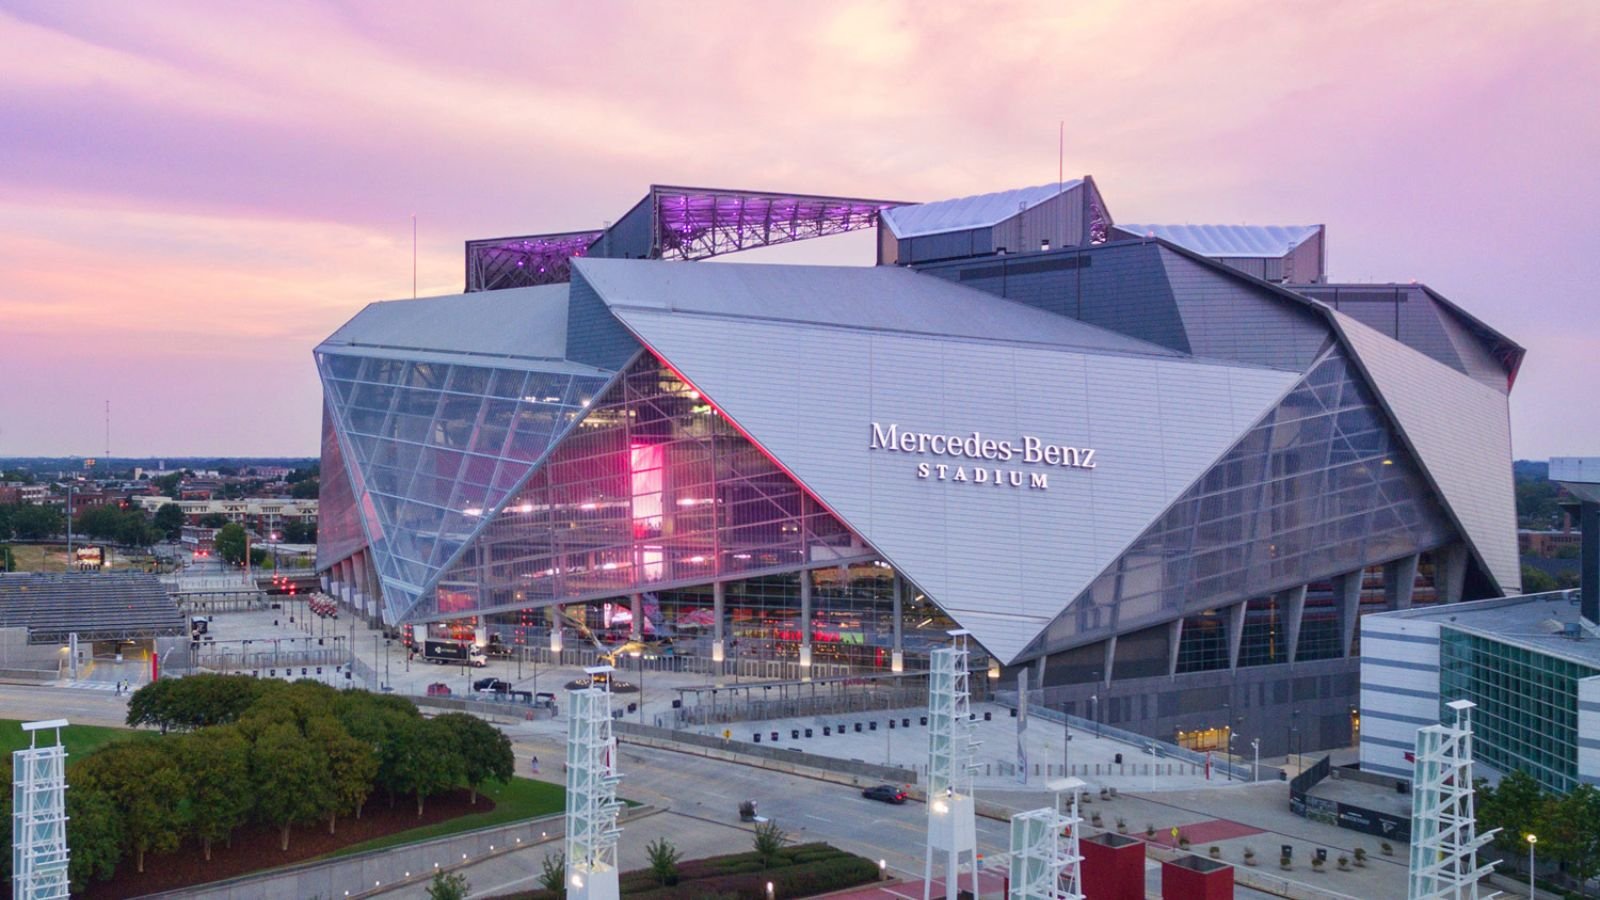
x: 446, y: 652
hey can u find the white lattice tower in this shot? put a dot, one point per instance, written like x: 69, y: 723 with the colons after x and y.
x: 1444, y: 838
x: 591, y: 796
x: 39, y: 817
x: 952, y: 822
x: 1045, y: 863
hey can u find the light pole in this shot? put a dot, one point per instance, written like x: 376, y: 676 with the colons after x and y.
x: 1152, y: 751
x: 1255, y: 768
x: 1533, y: 839
x: 639, y: 655
x: 1066, y: 745
x: 1227, y: 737
x: 387, y: 682
x: 1094, y: 712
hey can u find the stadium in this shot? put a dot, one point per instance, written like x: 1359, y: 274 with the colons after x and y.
x: 1163, y: 469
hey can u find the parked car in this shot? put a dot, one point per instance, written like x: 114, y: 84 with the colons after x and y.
x: 888, y: 793
x: 438, y: 689
x: 491, y: 685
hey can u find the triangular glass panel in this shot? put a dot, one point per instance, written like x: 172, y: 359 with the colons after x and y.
x: 1319, y: 487
x: 653, y: 489
x: 437, y: 446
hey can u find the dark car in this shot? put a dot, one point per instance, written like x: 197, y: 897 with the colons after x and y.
x: 491, y: 686
x: 888, y: 793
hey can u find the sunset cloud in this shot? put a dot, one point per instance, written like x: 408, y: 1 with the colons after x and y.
x: 188, y: 187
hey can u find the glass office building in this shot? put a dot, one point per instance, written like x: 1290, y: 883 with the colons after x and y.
x: 1530, y: 664
x: 1116, y: 459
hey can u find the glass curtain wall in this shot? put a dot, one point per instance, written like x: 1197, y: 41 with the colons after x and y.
x: 1317, y: 488
x: 435, y: 446
x: 1527, y: 715
x: 653, y: 489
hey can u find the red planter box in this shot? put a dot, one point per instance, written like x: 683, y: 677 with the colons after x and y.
x: 1113, y: 867
x: 1196, y: 878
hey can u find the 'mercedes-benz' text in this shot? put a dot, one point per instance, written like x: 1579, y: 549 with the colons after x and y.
x: 977, y: 451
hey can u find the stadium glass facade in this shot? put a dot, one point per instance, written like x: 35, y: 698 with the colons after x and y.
x: 1527, y: 715
x: 636, y: 448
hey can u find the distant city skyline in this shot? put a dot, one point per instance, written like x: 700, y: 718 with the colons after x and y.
x: 194, y: 195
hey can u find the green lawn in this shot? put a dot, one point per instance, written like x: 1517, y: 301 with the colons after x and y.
x: 522, y: 798
x: 80, y: 739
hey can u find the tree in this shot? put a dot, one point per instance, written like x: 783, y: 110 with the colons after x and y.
x: 94, y: 835
x: 289, y: 778
x: 213, y: 520
x: 485, y: 751
x: 1570, y: 832
x: 376, y: 721
x: 1515, y: 807
x: 168, y: 484
x: 306, y: 490
x: 351, y: 766
x: 299, y: 533
x: 31, y: 522
x: 169, y: 520
x: 216, y: 768
x: 453, y: 886
x: 427, y: 759
x: 1535, y: 582
x: 143, y: 782
x: 194, y: 702
x: 230, y: 542
x: 663, y: 861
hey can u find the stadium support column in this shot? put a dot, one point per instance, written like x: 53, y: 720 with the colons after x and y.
x: 719, y: 604
x: 1349, y: 588
x: 1293, y: 601
x: 1589, y: 560
x: 805, y: 622
x: 1399, y: 580
x: 1174, y: 641
x: 897, y: 657
x: 636, y: 611
x: 1236, y: 617
x: 1450, y: 572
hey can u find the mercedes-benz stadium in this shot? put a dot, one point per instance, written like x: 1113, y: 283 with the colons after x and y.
x: 1165, y: 468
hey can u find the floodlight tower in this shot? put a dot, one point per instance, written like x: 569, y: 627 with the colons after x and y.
x: 952, y: 824
x: 1444, y: 838
x: 39, y: 819
x: 1044, y: 848
x: 592, y: 791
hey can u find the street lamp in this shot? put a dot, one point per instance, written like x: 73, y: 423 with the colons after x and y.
x: 1532, y: 840
x: 1151, y: 749
x: 1066, y: 745
x: 1094, y: 712
x: 1255, y: 768
x: 639, y: 655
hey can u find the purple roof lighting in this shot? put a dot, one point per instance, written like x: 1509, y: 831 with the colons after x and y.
x: 525, y: 261
x: 696, y: 223
x: 684, y: 223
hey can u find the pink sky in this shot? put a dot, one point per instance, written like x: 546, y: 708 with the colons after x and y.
x: 192, y: 195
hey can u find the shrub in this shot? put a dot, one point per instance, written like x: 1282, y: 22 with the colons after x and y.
x: 453, y: 886
x: 553, y: 873
x: 663, y: 861
x: 768, y: 842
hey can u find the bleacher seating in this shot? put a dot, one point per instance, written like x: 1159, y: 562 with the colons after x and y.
x: 97, y: 606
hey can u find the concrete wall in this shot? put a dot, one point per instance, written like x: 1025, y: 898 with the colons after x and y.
x: 1399, y: 689
x: 841, y: 771
x: 1589, y: 731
